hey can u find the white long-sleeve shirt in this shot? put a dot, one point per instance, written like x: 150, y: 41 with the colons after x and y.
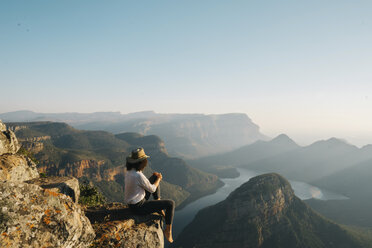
x: 135, y: 185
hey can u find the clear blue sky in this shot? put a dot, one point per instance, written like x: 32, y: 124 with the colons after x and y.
x: 299, y: 67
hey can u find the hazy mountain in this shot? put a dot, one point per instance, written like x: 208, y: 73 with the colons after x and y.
x: 223, y: 163
x: 30, y: 116
x: 99, y: 157
x: 312, y: 162
x: 354, y: 182
x: 264, y: 212
x: 186, y: 135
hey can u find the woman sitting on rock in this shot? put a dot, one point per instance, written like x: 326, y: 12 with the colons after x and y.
x: 138, y: 190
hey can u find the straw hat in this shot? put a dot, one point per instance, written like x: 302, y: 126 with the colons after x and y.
x: 137, y: 155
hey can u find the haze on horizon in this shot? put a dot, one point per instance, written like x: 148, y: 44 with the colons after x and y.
x: 295, y: 67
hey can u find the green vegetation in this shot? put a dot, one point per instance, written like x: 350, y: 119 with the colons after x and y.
x: 90, y: 196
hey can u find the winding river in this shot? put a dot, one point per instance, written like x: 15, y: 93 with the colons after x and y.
x: 302, y: 190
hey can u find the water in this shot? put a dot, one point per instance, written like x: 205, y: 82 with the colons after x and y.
x: 302, y: 190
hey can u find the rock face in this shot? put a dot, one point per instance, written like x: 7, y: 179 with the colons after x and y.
x: 8, y: 141
x: 17, y: 168
x: 264, y: 212
x: 64, y: 185
x: 117, y: 226
x: 39, y: 212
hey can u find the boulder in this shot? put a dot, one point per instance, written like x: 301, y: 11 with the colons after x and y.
x: 31, y: 216
x: 116, y: 226
x: 17, y: 168
x: 8, y: 141
x: 64, y: 185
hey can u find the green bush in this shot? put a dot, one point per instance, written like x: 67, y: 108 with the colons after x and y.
x: 90, y: 196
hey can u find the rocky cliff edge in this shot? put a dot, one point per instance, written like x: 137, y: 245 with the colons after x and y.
x: 44, y: 212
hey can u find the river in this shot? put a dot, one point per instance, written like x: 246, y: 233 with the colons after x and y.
x: 302, y: 190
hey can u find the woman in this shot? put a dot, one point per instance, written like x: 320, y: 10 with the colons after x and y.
x: 138, y: 190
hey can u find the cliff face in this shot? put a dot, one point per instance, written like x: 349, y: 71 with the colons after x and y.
x: 263, y: 212
x: 33, y: 144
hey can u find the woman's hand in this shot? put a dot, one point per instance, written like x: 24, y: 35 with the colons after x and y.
x: 158, y: 175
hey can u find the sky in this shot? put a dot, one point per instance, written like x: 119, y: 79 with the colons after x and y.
x: 303, y: 68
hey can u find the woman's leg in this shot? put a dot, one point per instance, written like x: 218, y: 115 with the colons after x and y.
x: 149, y: 207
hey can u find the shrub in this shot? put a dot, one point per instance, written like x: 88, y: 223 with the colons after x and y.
x: 90, y: 196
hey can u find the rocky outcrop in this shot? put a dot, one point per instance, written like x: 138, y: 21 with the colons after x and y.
x: 17, y: 168
x: 8, y: 141
x: 39, y: 212
x: 35, y: 217
x: 116, y: 226
x: 263, y: 213
x: 63, y: 185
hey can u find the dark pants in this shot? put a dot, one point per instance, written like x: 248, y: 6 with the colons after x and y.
x: 147, y: 207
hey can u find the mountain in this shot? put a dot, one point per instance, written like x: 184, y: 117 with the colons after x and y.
x: 223, y: 164
x: 264, y: 212
x: 354, y: 182
x: 312, y: 162
x: 186, y: 135
x: 99, y: 157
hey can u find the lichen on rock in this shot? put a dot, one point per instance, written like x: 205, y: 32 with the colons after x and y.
x: 64, y: 185
x: 17, y: 168
x: 37, y: 217
x: 116, y: 226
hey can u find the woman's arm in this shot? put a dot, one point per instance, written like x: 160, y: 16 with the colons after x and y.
x: 145, y: 183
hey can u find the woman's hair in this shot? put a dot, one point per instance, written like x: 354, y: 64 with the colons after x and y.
x: 139, y: 166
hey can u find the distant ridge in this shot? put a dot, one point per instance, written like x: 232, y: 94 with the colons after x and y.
x: 220, y: 163
x: 186, y: 135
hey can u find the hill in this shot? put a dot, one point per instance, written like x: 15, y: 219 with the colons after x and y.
x: 282, y: 155
x: 223, y: 164
x: 99, y: 157
x: 355, y: 183
x: 264, y: 212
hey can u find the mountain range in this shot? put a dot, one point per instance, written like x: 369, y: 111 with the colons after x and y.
x: 332, y: 164
x: 185, y: 135
x: 284, y: 156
